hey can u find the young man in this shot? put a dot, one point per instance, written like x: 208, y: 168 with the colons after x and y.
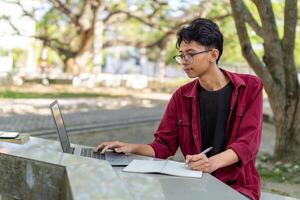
x: 219, y: 109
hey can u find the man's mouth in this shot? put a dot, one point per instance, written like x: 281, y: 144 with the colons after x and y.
x: 187, y: 69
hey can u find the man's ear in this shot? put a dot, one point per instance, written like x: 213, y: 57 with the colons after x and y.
x: 213, y: 56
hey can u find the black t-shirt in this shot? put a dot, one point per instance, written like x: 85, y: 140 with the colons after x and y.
x: 214, y: 112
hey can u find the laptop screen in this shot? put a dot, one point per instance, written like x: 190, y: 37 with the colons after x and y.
x: 60, y: 127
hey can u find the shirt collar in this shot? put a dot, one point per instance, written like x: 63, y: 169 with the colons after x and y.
x: 234, y: 78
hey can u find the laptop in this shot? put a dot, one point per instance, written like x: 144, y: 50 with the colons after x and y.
x: 115, y: 159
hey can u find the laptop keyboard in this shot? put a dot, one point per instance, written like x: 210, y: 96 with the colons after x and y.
x: 116, y: 159
x: 88, y: 152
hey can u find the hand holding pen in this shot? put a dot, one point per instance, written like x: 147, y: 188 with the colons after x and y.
x: 199, y: 161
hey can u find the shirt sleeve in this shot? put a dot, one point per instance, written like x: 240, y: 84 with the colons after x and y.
x: 247, y: 140
x: 165, y: 141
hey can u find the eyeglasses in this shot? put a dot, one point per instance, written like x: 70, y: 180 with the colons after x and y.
x: 187, y: 58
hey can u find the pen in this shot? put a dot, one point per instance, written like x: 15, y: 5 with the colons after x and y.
x: 207, y: 150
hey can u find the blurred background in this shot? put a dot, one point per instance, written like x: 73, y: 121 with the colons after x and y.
x: 110, y: 64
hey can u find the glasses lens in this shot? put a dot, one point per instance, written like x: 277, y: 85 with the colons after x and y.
x: 178, y: 59
x: 183, y: 59
x: 188, y: 59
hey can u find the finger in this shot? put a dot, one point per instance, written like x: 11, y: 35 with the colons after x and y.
x: 192, y: 161
x: 100, y: 146
x: 187, y: 159
x: 201, y: 166
x: 195, y: 158
x: 197, y: 163
x: 198, y: 157
x: 110, y: 146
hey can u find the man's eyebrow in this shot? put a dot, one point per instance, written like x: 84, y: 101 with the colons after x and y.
x: 187, y: 50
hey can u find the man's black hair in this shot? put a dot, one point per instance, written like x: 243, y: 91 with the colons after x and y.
x: 203, y: 31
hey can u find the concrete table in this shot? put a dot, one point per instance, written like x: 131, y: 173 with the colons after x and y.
x: 39, y: 170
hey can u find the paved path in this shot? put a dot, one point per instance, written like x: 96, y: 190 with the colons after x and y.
x: 94, y: 115
x: 34, y: 116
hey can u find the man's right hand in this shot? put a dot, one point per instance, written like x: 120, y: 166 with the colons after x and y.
x: 120, y: 147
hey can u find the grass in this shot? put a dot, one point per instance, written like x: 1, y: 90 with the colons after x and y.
x: 168, y: 86
x: 279, y: 177
x: 276, y: 176
x: 36, y: 91
x: 279, y: 171
x: 10, y: 94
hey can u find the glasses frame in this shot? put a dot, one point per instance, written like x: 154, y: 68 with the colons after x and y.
x: 189, y: 56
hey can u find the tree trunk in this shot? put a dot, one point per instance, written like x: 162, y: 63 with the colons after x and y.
x: 287, y: 123
x: 277, y: 69
x: 76, y: 60
x: 78, y: 64
x: 70, y: 66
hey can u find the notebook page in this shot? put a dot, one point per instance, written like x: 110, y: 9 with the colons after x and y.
x: 144, y: 166
x: 180, y: 169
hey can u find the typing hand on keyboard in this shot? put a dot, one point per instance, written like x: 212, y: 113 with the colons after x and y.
x: 119, y: 147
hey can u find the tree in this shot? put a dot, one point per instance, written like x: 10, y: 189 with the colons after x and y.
x: 276, y: 67
x: 69, y: 28
x: 157, y: 22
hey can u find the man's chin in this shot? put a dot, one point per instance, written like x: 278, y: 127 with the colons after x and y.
x: 191, y: 75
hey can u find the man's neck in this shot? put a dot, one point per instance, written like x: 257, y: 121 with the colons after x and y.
x: 214, y: 79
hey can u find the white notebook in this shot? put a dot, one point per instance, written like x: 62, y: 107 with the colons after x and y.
x: 164, y: 167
